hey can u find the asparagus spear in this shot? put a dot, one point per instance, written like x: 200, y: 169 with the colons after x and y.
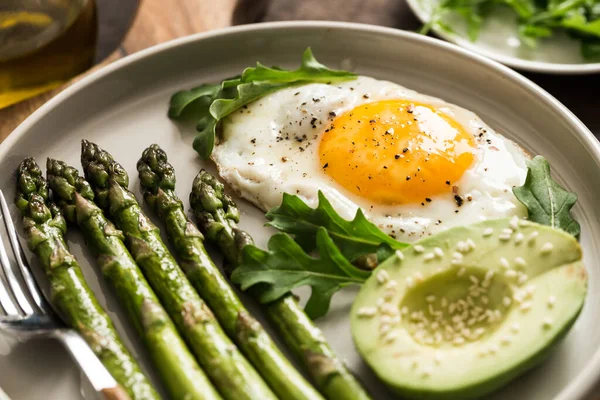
x: 177, y: 367
x: 157, y: 178
x: 45, y: 228
x: 217, y: 216
x: 230, y: 372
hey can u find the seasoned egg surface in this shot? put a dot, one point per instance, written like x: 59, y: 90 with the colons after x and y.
x: 414, y: 163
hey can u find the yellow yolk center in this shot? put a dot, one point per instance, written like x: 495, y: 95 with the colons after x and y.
x: 396, y: 151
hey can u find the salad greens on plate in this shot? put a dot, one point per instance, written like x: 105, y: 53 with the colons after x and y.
x: 538, y: 19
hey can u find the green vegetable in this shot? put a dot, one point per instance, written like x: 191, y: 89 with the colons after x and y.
x: 176, y: 365
x: 458, y: 326
x: 157, y: 178
x: 217, y: 217
x: 215, y: 102
x: 45, y: 228
x: 356, y: 239
x: 227, y: 368
x: 537, y: 19
x: 547, y: 202
x: 286, y: 266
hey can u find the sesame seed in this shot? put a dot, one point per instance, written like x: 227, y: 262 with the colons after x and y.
x: 382, y: 276
x: 494, y: 349
x: 524, y: 222
x: 514, y: 328
x: 419, y: 249
x: 520, y: 262
x: 380, y: 302
x: 504, y: 237
x: 404, y: 310
x: 389, y: 309
x: 366, y: 312
x: 511, y: 273
x: 393, y: 335
x: 410, y: 282
x: 395, y: 320
x: 488, y: 232
x: 507, y: 231
x: 439, y: 253
x: 437, y: 357
x: 418, y: 276
x: 384, y: 328
x: 474, y: 279
x: 426, y: 372
x: 505, y: 340
x: 547, y: 248
x: 479, y: 331
x: 504, y: 262
x: 457, y: 256
x: 551, y: 301
x: 519, y: 238
x: 471, y: 244
x: 444, y: 302
x: 489, y: 275
x: 391, y: 284
x: 484, y: 300
x: 530, y: 289
x: 428, y: 256
x: 547, y: 322
x: 526, y: 306
x: 506, y: 301
x: 522, y: 278
x: 389, y: 294
x: 400, y: 255
x: 430, y: 298
x: 514, y: 222
x: 532, y: 237
x: 385, y: 319
x: 458, y: 341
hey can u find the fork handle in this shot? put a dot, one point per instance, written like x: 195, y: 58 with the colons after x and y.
x: 92, y: 367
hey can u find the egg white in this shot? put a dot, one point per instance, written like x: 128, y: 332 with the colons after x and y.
x: 271, y: 147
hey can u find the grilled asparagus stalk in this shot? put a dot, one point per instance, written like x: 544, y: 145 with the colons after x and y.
x: 177, y: 367
x: 230, y: 372
x: 45, y: 228
x: 157, y: 178
x: 217, y: 216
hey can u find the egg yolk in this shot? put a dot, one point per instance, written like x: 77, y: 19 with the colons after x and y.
x: 396, y: 151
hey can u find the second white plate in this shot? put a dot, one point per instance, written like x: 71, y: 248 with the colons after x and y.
x: 499, y: 40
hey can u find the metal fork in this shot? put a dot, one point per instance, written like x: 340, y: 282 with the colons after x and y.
x: 31, y: 316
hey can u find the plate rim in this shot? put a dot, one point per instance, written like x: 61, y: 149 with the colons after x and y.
x: 514, y: 62
x: 589, y: 377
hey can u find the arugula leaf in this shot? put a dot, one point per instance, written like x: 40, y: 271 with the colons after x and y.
x: 547, y: 202
x: 354, y: 238
x: 285, y: 266
x: 183, y: 99
x: 591, y: 49
x: 218, y: 101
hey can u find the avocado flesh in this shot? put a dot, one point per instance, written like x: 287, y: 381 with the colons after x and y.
x: 399, y: 319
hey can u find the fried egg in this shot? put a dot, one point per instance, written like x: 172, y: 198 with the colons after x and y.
x: 413, y: 163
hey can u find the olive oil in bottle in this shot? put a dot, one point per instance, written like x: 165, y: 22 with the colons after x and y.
x: 43, y: 43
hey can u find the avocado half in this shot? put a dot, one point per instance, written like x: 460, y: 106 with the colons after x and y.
x: 461, y: 313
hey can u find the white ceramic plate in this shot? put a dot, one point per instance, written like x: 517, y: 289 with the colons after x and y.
x: 499, y: 40
x: 123, y: 108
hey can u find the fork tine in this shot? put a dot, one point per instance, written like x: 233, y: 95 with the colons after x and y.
x: 6, y: 302
x: 13, y: 283
x: 34, y: 290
